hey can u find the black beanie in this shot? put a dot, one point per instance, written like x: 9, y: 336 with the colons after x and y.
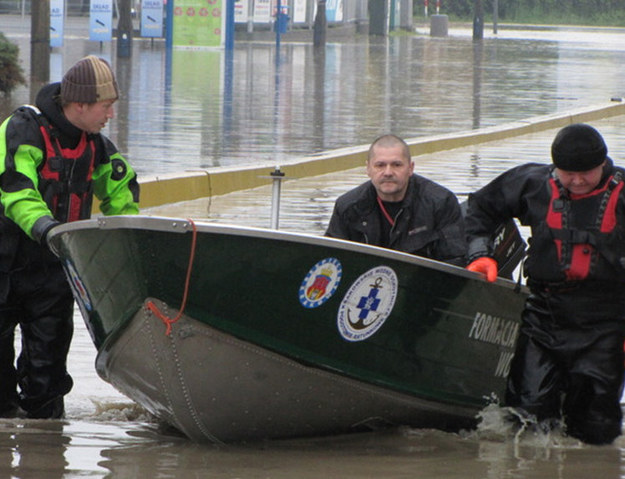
x: 578, y: 147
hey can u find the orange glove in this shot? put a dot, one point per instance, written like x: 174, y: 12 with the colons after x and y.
x: 486, y: 266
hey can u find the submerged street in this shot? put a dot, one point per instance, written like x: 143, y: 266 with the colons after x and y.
x: 188, y: 111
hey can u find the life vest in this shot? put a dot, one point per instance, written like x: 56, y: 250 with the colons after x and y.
x: 577, y: 251
x: 65, y: 181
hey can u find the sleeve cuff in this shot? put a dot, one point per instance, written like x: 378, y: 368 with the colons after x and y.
x: 478, y: 247
x: 41, y: 228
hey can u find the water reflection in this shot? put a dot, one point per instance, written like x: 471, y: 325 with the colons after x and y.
x: 34, y: 447
x: 395, y: 453
x: 478, y: 48
x: 59, y: 449
x: 199, y: 109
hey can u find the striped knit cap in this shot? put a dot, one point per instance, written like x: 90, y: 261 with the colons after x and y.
x: 90, y: 80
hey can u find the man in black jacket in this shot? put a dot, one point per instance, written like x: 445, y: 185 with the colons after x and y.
x: 399, y: 209
x: 568, y: 363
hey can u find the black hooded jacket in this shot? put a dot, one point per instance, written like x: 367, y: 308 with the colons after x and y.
x: 526, y: 193
x: 26, y: 211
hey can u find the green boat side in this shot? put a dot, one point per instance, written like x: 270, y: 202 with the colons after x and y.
x: 407, y: 324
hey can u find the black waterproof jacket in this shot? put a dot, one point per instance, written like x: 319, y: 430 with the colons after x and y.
x: 428, y: 224
x: 525, y: 193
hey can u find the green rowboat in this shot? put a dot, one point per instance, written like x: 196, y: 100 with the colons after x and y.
x: 234, y: 334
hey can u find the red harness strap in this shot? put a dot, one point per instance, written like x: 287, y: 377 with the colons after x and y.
x: 581, y: 254
x: 59, y: 168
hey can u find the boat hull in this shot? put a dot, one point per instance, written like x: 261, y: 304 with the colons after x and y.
x: 232, y: 390
x: 285, y: 335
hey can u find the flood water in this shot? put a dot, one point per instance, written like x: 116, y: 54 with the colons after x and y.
x: 189, y: 112
x: 195, y: 109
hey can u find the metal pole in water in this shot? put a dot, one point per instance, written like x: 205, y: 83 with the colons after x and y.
x: 278, y: 24
x: 169, y: 25
x: 478, y: 21
x: 229, y: 40
x: 277, y: 177
x: 495, y: 15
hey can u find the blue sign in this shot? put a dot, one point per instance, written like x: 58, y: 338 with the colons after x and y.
x: 101, y: 21
x: 334, y: 10
x: 57, y: 24
x: 152, y: 18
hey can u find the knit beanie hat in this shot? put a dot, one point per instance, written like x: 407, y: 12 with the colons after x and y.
x: 578, y: 147
x: 90, y: 80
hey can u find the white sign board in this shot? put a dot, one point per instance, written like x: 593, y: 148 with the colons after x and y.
x: 57, y: 22
x: 101, y: 21
x: 152, y: 18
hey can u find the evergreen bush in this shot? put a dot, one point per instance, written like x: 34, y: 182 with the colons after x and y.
x: 11, y: 73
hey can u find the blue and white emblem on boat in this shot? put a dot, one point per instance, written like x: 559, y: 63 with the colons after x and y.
x: 320, y: 283
x: 367, y: 304
x: 80, y: 292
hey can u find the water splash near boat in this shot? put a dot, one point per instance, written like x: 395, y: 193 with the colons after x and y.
x: 507, y: 424
x: 120, y: 411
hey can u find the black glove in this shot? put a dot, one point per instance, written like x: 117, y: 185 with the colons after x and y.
x: 42, y: 227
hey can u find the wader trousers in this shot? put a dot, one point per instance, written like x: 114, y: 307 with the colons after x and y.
x: 36, y: 296
x: 569, y: 362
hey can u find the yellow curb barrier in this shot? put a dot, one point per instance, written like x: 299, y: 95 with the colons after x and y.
x: 190, y: 185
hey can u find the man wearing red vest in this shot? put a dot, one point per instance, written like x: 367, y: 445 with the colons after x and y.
x: 53, y: 160
x: 568, y: 364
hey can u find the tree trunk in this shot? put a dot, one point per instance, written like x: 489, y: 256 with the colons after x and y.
x: 39, y: 44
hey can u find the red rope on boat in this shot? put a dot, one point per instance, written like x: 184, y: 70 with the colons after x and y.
x: 152, y: 307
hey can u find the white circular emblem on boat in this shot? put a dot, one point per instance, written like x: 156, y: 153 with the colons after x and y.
x: 320, y: 283
x: 367, y: 304
x: 80, y: 292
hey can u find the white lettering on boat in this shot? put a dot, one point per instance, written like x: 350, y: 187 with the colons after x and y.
x: 494, y: 330
x: 499, y: 331
x: 503, y: 365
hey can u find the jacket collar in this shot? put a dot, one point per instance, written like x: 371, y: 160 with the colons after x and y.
x: 49, y: 103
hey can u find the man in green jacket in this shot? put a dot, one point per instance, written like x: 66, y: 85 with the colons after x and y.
x: 53, y: 159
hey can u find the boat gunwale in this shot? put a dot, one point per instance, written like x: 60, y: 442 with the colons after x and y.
x: 183, y: 225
